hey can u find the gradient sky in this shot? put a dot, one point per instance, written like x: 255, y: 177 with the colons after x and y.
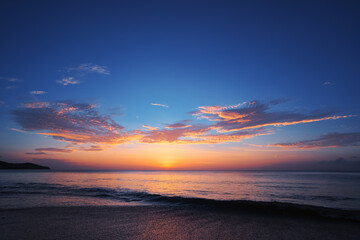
x: 179, y: 84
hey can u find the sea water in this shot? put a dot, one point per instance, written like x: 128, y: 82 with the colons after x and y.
x: 28, y: 188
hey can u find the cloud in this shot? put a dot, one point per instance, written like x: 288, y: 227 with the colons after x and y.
x: 37, y: 92
x: 90, y: 68
x: 35, y: 153
x: 81, y: 123
x: 10, y: 79
x: 177, y: 125
x: 68, y: 121
x: 254, y: 115
x: 20, y: 131
x: 173, y: 135
x: 196, y: 134
x: 214, y: 109
x: 2, y: 103
x: 93, y: 148
x: 233, y: 137
x: 36, y: 104
x: 75, y: 73
x: 68, y: 81
x: 160, y: 105
x: 68, y: 149
x: 328, y: 84
x: 61, y: 150
x: 328, y: 140
x: 149, y: 127
x: 10, y: 87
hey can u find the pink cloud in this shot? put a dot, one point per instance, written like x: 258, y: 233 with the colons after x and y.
x: 149, y: 127
x: 254, y: 115
x: 329, y: 140
x: 83, y: 124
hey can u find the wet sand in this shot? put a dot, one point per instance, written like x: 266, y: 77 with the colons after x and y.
x: 167, y: 222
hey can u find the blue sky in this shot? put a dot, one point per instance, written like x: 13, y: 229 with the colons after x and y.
x: 121, y: 56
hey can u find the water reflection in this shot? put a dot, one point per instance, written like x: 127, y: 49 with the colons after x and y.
x: 324, y: 189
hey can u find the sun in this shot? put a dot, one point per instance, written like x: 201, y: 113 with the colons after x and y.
x: 167, y: 162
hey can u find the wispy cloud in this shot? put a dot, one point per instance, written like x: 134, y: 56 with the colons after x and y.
x: 160, y: 105
x: 233, y: 123
x: 36, y: 104
x: 90, y: 68
x: 73, y: 74
x: 60, y: 150
x: 11, y: 87
x: 328, y: 84
x: 328, y: 140
x: 68, y: 121
x: 21, y: 131
x: 37, y: 92
x: 35, y: 153
x: 196, y: 134
x: 177, y: 125
x: 10, y: 79
x: 69, y: 149
x: 68, y: 81
x: 254, y: 115
x: 216, y: 109
x: 149, y: 127
x: 83, y: 124
x: 93, y: 148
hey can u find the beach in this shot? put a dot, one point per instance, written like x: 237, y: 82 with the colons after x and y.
x: 179, y: 205
x: 167, y: 222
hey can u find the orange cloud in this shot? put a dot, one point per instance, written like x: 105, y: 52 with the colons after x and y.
x: 36, y: 104
x: 254, y: 115
x: 83, y: 124
x: 149, y: 127
x: 279, y: 124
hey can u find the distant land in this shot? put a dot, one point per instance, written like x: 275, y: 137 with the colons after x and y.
x: 6, y: 165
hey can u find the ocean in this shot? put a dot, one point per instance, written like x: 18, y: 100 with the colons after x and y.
x: 39, y: 188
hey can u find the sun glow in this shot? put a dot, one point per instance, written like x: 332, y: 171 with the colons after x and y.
x: 166, y: 162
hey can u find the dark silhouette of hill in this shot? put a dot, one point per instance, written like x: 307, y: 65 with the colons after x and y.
x: 6, y: 165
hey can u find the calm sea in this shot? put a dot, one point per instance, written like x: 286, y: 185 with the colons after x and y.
x: 50, y: 188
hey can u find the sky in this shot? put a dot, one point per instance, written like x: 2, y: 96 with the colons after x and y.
x: 180, y: 85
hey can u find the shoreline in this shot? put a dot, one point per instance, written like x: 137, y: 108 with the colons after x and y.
x: 167, y: 222
x: 248, y: 206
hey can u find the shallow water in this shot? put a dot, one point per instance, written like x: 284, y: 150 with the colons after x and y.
x: 52, y: 188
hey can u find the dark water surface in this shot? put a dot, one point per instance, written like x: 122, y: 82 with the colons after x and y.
x: 87, y: 188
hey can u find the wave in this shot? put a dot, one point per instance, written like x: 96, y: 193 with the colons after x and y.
x: 127, y: 195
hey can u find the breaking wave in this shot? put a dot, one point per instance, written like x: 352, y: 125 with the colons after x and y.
x: 127, y: 195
